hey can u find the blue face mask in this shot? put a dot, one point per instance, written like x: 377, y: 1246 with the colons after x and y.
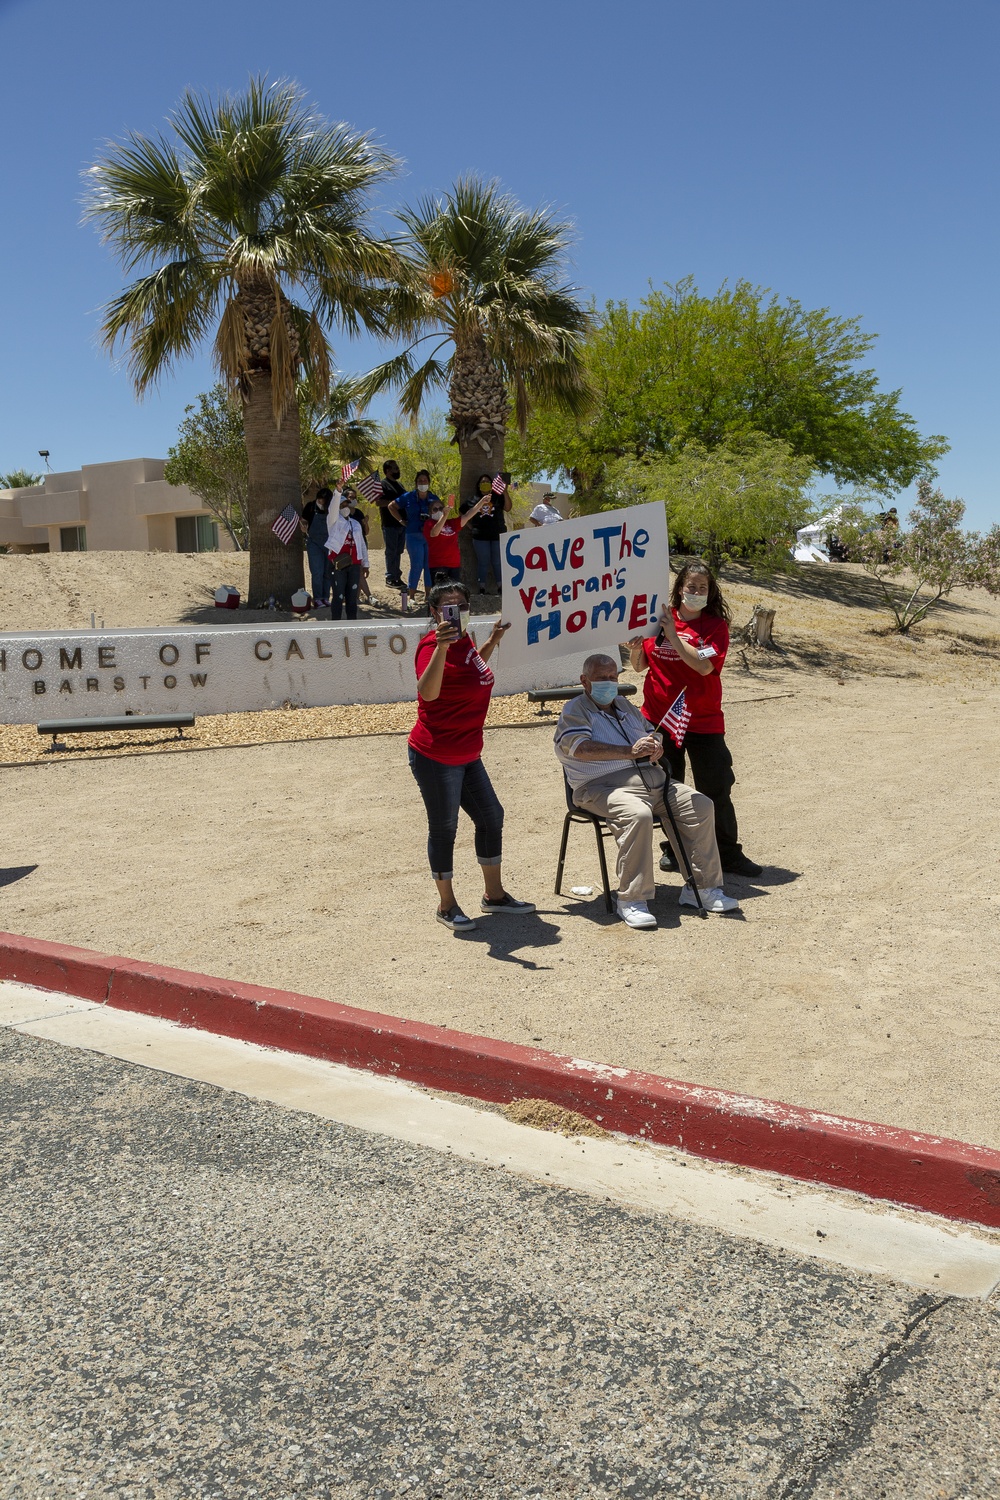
x: 604, y: 693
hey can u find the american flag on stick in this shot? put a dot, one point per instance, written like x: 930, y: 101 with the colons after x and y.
x: 676, y: 720
x: 287, y: 524
x: 371, y: 487
x: 348, y: 469
x: 498, y: 486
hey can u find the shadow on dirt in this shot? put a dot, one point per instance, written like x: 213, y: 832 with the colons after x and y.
x: 834, y: 583
x: 505, y: 936
x: 771, y: 875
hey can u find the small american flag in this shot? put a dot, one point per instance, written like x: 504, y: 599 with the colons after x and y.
x: 498, y: 486
x: 287, y: 524
x: 371, y: 487
x: 348, y: 469
x: 676, y: 720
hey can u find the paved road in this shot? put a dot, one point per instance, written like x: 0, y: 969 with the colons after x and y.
x: 207, y: 1296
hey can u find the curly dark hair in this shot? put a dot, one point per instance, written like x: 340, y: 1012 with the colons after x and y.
x: 694, y: 567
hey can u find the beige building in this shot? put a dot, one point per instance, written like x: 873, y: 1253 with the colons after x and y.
x: 120, y: 507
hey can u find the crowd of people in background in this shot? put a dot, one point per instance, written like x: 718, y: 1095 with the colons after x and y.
x: 421, y: 534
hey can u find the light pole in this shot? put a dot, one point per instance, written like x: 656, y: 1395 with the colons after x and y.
x: 44, y: 453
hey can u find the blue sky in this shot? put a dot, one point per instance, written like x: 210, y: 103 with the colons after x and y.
x: 843, y: 155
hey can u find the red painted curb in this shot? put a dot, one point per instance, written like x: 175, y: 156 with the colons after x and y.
x: 920, y: 1171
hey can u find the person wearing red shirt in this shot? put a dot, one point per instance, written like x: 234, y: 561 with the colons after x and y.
x: 454, y: 684
x: 444, y: 555
x: 687, y: 653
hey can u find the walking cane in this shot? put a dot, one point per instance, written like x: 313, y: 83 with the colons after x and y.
x: 685, y: 859
x: 677, y: 834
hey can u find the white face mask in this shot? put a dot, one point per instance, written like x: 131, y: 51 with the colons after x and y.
x: 345, y: 510
x: 436, y: 515
x: 422, y: 489
x: 694, y: 601
x: 463, y: 620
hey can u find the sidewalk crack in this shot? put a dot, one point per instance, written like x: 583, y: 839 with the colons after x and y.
x: 862, y: 1397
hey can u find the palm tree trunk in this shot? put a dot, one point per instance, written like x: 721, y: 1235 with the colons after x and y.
x: 273, y: 464
x: 479, y: 410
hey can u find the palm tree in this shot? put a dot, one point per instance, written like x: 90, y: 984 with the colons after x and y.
x: 333, y: 432
x: 481, y: 279
x: 257, y: 200
x: 20, y: 479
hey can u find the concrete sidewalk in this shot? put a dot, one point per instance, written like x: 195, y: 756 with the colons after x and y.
x: 208, y: 1295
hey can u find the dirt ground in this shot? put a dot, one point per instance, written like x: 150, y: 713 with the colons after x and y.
x: 860, y: 978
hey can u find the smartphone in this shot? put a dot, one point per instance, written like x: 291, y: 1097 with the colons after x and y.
x: 452, y: 614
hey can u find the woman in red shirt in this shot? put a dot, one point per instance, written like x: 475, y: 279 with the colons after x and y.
x: 687, y: 654
x: 444, y: 556
x: 454, y: 685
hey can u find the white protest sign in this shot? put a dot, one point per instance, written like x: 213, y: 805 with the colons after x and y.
x: 583, y: 585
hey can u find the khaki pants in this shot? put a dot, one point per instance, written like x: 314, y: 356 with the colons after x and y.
x: 631, y: 810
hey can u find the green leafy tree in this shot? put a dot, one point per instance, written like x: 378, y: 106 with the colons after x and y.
x: 685, y: 368
x: 424, y: 445
x: 210, y: 457
x: 19, y: 479
x: 210, y: 453
x: 744, y: 499
x: 917, y: 569
x: 253, y: 201
x: 482, y: 285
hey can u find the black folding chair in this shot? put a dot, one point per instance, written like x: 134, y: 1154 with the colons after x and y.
x: 580, y: 815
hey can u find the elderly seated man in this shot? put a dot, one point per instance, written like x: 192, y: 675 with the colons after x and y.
x: 599, y: 740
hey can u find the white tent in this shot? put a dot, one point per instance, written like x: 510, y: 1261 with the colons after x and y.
x: 810, y: 541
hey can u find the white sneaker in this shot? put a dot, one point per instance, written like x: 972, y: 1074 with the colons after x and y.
x: 713, y: 900
x: 636, y: 914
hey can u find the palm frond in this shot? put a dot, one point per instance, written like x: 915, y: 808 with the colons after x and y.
x: 314, y: 353
x: 503, y: 265
x: 140, y: 198
x: 282, y: 366
x: 260, y: 191
x: 231, y: 344
x: 388, y: 376
x: 431, y: 375
x: 159, y: 317
x: 336, y: 419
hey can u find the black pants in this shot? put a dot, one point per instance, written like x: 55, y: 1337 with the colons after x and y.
x: 711, y: 773
x: 446, y: 789
x: 395, y: 537
x: 344, y: 586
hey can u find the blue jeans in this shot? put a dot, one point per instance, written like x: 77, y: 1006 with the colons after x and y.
x: 394, y: 537
x: 416, y: 546
x: 344, y: 596
x: 487, y: 555
x: 445, y: 789
x: 319, y: 570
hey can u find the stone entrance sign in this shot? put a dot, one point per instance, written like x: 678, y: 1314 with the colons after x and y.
x: 229, y: 669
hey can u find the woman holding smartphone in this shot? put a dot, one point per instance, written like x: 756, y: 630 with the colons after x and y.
x: 687, y: 653
x: 454, y: 684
